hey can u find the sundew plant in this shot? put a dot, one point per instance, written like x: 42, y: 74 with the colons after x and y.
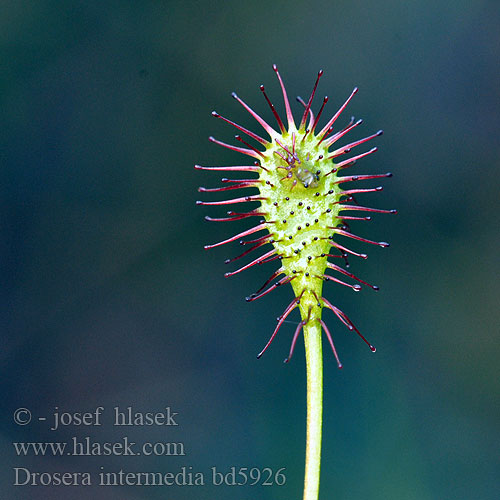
x: 306, y: 208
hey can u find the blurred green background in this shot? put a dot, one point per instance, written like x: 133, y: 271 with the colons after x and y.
x: 108, y: 297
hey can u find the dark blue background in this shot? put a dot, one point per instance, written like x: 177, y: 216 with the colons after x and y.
x: 109, y: 298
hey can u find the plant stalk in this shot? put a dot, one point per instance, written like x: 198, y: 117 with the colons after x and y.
x: 314, y: 369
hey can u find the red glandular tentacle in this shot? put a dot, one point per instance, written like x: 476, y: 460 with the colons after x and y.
x: 282, y: 281
x: 289, y: 115
x: 343, y: 317
x: 245, y: 151
x: 260, y: 227
x: 259, y: 260
x: 337, y: 114
x: 351, y: 178
x: 348, y: 147
x: 308, y: 105
x: 234, y: 200
x: 235, y: 168
x: 330, y: 340
x: 347, y: 273
x: 335, y: 137
x: 243, y: 129
x: 262, y: 122
x: 354, y: 158
x: 367, y: 209
x: 355, y: 237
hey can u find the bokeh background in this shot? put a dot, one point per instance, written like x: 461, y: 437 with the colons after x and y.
x: 108, y: 297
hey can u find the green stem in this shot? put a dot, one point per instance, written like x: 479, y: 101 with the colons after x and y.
x: 314, y: 367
